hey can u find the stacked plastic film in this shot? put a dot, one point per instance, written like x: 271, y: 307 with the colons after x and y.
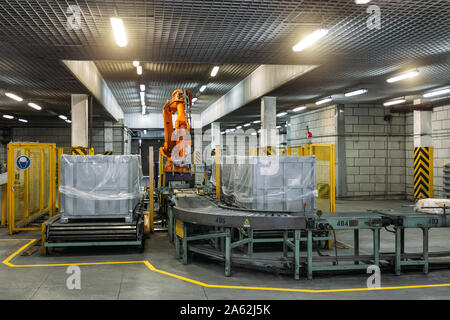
x: 96, y: 187
x: 278, y: 183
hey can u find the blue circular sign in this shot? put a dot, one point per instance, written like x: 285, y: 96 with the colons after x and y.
x: 23, y: 162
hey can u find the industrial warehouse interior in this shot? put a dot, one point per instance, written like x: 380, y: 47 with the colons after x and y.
x: 224, y: 150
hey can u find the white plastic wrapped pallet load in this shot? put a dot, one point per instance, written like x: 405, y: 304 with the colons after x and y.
x: 100, y: 187
x: 278, y: 183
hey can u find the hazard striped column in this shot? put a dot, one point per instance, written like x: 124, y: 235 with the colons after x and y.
x: 423, y: 172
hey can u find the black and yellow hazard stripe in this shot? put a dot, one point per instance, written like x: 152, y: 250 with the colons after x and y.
x: 107, y: 153
x: 423, y: 172
x: 80, y: 151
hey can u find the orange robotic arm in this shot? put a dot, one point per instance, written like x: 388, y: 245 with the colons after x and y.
x: 181, y: 100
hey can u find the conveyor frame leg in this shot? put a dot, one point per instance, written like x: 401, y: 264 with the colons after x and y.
x: 296, y: 252
x: 425, y: 249
x: 309, y: 254
x: 228, y: 252
x: 285, y: 248
x: 170, y: 223
x: 250, y: 244
x: 376, y: 246
x: 177, y: 247
x: 398, y: 246
x: 356, y: 244
x: 185, y: 249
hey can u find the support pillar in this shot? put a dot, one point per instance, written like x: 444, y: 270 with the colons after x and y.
x: 80, y: 120
x: 215, y: 135
x: 108, y: 135
x: 268, y: 121
x: 422, y: 127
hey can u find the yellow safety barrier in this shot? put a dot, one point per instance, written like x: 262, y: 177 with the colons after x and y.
x: 423, y: 172
x: 81, y: 151
x: 31, y: 183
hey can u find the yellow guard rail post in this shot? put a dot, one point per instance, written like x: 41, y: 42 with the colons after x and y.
x: 31, y: 187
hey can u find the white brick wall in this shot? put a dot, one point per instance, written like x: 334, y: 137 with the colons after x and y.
x: 321, y: 123
x: 441, y: 144
x: 375, y: 161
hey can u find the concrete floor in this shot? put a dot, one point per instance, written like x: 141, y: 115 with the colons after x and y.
x: 138, y: 281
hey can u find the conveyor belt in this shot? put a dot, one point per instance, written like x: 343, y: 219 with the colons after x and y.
x: 92, y: 233
x: 193, y: 208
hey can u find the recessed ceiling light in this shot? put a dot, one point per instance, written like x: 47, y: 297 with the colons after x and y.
x: 326, y: 100
x: 23, y: 120
x: 393, y: 102
x: 139, y: 70
x: 13, y: 96
x: 239, y: 127
x: 68, y: 121
x: 436, y: 93
x: 310, y: 40
x: 202, y: 88
x: 247, y: 124
x: 135, y: 63
x: 256, y: 121
x: 299, y: 109
x: 362, y: 1
x: 403, y: 76
x: 282, y: 114
x: 7, y: 116
x: 34, y: 105
x: 63, y: 117
x: 119, y: 31
x: 355, y: 93
x: 214, y: 71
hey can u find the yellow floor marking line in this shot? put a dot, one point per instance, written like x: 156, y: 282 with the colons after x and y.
x: 203, y: 284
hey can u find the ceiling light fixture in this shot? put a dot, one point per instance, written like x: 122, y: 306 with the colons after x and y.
x: 68, y: 121
x: 256, y: 121
x: 310, y: 40
x: 247, y: 124
x: 436, y: 93
x: 144, y: 109
x: 142, y: 87
x: 13, y: 96
x: 135, y: 63
x: 393, y: 102
x: 139, y: 70
x: 63, y: 117
x: 202, y: 88
x: 326, y: 100
x: 299, y: 109
x: 23, y: 120
x: 193, y: 100
x: 214, y: 71
x: 119, y: 31
x: 355, y: 93
x: 362, y: 1
x: 34, y: 105
x: 282, y: 114
x: 403, y: 76
x: 145, y: 131
x: 142, y: 93
x: 7, y: 116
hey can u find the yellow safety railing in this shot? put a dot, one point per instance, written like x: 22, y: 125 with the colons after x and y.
x: 31, y: 183
x: 81, y: 151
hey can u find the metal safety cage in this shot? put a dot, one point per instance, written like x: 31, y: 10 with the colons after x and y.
x: 31, y: 184
x: 81, y: 151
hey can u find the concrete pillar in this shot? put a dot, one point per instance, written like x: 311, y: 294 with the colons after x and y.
x: 198, y: 148
x: 108, y: 135
x: 422, y: 127
x: 268, y: 121
x: 80, y: 119
x: 215, y: 134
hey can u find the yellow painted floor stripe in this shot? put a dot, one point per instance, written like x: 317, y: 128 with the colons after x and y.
x: 203, y: 284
